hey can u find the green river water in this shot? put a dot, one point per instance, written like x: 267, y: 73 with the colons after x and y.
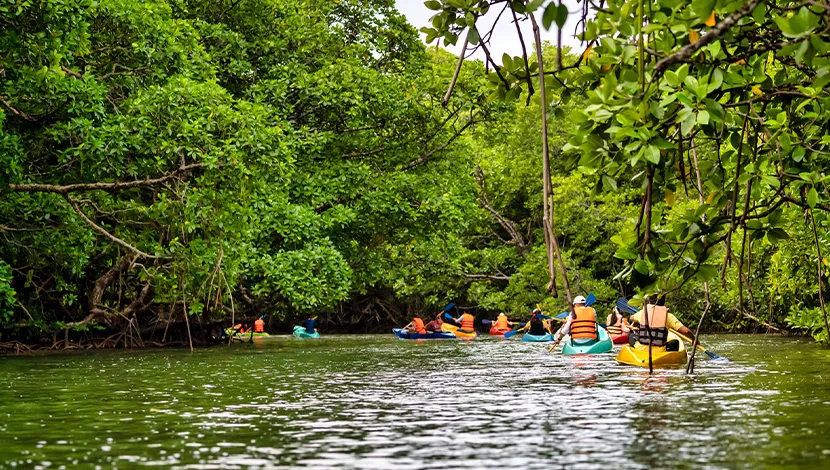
x: 379, y: 402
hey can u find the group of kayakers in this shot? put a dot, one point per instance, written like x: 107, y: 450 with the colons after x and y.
x: 309, y: 326
x: 651, y: 327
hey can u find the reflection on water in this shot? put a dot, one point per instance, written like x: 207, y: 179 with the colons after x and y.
x: 378, y: 402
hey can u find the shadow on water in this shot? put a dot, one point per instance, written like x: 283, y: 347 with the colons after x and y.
x: 379, y: 402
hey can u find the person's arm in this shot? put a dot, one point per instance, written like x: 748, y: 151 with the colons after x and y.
x: 566, y: 329
x: 675, y: 324
x: 608, y: 319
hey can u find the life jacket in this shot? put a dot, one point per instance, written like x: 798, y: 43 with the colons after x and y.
x: 259, y: 326
x: 501, y: 323
x: 418, y: 324
x: 584, y: 324
x: 614, y: 328
x: 239, y: 328
x: 468, y: 323
x: 654, y: 322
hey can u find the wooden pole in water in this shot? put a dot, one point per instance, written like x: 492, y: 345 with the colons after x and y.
x: 648, y: 332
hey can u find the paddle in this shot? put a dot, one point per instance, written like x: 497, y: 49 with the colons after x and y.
x: 713, y: 356
x: 623, y: 305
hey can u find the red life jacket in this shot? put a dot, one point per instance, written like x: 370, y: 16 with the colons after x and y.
x: 259, y: 326
x: 584, y: 325
x: 468, y: 323
x: 418, y: 325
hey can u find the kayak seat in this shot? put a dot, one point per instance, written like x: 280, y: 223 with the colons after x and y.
x: 673, y: 345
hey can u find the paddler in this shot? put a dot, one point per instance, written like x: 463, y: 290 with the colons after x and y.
x: 416, y: 326
x: 435, y: 325
x: 467, y: 323
x: 537, y: 325
x: 581, y: 323
x: 616, y: 324
x: 660, y: 321
x: 310, y: 324
x: 501, y: 322
x: 259, y: 325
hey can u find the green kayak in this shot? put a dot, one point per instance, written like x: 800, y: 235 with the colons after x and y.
x: 602, y: 344
x: 300, y: 332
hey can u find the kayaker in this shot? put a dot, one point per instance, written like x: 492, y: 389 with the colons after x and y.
x: 501, y: 322
x: 537, y: 325
x: 416, y: 326
x: 581, y: 324
x: 467, y: 323
x: 435, y: 325
x: 660, y: 321
x: 239, y: 328
x: 259, y: 325
x: 616, y: 324
x: 310, y: 325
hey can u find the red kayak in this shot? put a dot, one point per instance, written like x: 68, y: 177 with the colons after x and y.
x: 620, y: 339
x: 495, y: 331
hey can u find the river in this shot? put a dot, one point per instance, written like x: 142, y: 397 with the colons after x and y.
x: 379, y: 402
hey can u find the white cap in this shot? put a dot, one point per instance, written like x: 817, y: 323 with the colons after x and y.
x: 579, y: 300
x: 502, y: 315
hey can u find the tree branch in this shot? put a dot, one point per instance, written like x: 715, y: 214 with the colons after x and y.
x: 101, y: 230
x: 116, y: 186
x: 686, y: 51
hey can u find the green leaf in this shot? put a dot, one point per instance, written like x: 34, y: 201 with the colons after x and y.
x: 433, y: 4
x: 561, y: 15
x: 472, y: 36
x: 812, y: 197
x: 532, y: 5
x: 549, y: 15
x: 703, y: 8
x: 706, y: 272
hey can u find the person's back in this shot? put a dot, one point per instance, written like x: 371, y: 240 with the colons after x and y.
x: 502, y: 323
x: 467, y: 323
x: 259, y: 326
x: 615, y: 323
x: 537, y: 326
x: 309, y: 325
x: 583, y: 327
x: 418, y: 325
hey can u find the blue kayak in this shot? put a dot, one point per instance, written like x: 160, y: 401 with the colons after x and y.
x: 602, y: 344
x: 300, y: 332
x: 529, y: 338
x: 407, y: 335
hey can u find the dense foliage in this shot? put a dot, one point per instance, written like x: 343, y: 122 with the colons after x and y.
x: 721, y: 102
x: 216, y: 159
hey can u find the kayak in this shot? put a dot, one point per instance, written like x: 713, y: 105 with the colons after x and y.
x: 495, y: 331
x: 638, y: 355
x: 407, y: 335
x: 458, y: 334
x: 237, y: 334
x: 300, y: 332
x: 602, y: 344
x: 529, y: 338
x: 620, y: 338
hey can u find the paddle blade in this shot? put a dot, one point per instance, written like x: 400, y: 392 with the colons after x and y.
x: 716, y: 357
x: 562, y: 316
x: 510, y: 334
x: 590, y: 300
x: 448, y: 316
x: 622, y: 304
x: 486, y: 321
x: 543, y: 317
x: 449, y: 306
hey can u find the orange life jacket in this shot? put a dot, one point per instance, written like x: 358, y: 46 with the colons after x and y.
x: 615, y: 328
x: 656, y: 333
x: 259, y: 326
x: 584, y: 325
x: 501, y: 323
x: 468, y: 322
x: 239, y: 328
x: 418, y: 324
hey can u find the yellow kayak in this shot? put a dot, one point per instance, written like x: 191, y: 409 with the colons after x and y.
x: 458, y: 334
x: 638, y: 355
